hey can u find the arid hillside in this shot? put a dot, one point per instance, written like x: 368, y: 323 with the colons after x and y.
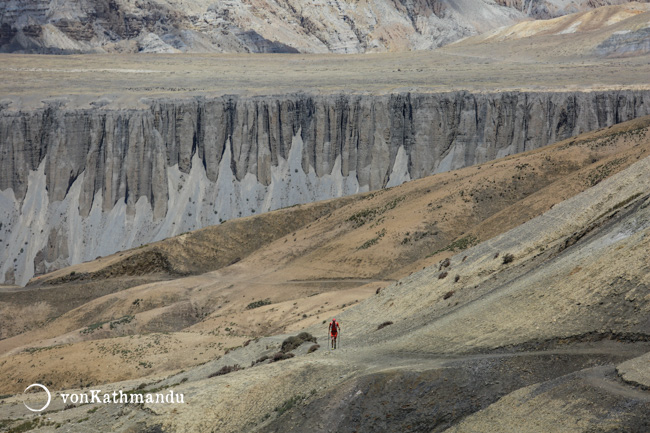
x: 532, y: 264
x: 473, y: 300
x: 612, y: 31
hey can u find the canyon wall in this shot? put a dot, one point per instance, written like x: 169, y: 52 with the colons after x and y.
x: 80, y: 183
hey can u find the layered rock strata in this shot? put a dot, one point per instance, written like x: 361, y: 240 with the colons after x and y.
x: 338, y: 26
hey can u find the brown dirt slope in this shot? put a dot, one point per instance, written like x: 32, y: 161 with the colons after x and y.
x: 343, y: 253
x: 601, y: 19
x: 188, y: 254
x: 199, y: 251
x: 527, y: 343
x: 612, y: 31
x: 533, y: 307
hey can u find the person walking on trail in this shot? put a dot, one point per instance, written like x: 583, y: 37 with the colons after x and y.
x: 334, y: 328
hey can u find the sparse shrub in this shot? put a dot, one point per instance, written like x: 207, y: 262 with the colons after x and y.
x: 603, y: 171
x: 280, y: 356
x: 496, y: 256
x: 449, y: 294
x: 261, y: 359
x: 373, y: 241
x: 383, y: 325
x: 313, y: 348
x: 306, y: 336
x: 360, y: 218
x: 92, y: 328
x: 26, y: 426
x: 288, y: 404
x: 293, y: 342
x: 290, y: 343
x: 121, y: 321
x: 444, y: 264
x: 366, y: 215
x: 258, y: 304
x: 508, y: 258
x: 443, y: 275
x: 458, y: 245
x: 225, y: 370
x: 230, y: 349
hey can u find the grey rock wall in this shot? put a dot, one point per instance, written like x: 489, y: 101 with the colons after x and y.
x: 79, y: 183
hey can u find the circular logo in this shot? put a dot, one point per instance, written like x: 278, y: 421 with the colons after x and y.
x: 49, y: 397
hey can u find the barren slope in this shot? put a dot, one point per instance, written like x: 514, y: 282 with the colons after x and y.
x: 613, y: 31
x: 547, y: 340
x: 571, y: 305
x: 337, y: 259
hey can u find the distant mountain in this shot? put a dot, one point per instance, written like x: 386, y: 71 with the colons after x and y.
x: 612, y: 31
x: 544, y: 9
x: 338, y: 26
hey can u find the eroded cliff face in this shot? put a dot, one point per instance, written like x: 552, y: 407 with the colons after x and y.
x: 80, y: 183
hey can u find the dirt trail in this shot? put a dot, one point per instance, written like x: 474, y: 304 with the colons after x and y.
x: 605, y: 378
x: 384, y: 386
x: 375, y: 358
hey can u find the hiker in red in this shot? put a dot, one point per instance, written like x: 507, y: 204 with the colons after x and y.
x: 334, y: 328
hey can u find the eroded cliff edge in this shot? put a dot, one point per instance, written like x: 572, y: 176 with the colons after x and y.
x: 79, y: 183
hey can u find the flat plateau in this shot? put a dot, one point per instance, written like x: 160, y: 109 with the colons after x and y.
x: 123, y: 81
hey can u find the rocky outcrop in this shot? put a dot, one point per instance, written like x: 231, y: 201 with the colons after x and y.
x: 339, y: 26
x: 79, y: 183
x: 544, y: 9
x: 626, y: 43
